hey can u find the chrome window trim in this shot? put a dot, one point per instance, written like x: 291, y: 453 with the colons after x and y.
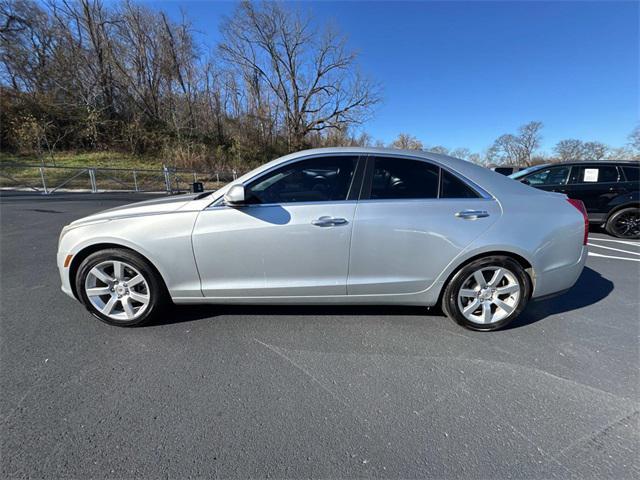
x: 261, y: 205
x: 423, y: 200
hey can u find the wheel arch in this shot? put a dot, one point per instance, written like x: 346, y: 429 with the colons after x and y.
x: 617, y: 208
x: 81, y: 255
x: 526, y: 264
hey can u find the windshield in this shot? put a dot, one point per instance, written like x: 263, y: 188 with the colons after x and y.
x: 526, y: 171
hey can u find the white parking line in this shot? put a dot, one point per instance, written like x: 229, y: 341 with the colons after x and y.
x: 615, y: 249
x: 591, y: 254
x: 626, y: 242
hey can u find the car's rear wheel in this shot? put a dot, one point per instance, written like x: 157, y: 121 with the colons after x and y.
x: 624, y: 223
x: 487, y: 294
x: 120, y: 287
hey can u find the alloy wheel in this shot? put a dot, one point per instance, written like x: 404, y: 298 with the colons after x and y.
x: 489, y: 295
x: 627, y: 224
x: 118, y: 290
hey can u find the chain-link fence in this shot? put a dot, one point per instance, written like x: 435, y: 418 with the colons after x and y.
x: 49, y: 179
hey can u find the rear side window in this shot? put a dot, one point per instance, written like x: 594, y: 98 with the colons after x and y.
x: 632, y: 173
x: 594, y: 174
x: 453, y: 187
x: 401, y: 178
x: 549, y: 176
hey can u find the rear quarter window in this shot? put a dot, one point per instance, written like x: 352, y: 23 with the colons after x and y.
x: 632, y: 173
x: 453, y: 187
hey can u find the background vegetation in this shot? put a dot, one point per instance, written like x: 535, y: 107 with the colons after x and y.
x: 122, y: 83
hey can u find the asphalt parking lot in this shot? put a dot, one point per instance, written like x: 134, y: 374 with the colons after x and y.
x: 330, y: 392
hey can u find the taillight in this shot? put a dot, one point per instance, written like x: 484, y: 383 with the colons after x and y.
x: 580, y: 206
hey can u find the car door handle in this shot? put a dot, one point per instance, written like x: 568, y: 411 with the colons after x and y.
x: 329, y: 221
x: 472, y: 214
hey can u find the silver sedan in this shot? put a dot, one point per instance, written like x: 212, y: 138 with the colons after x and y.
x: 333, y: 226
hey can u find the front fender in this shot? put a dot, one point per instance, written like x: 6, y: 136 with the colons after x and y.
x: 165, y: 240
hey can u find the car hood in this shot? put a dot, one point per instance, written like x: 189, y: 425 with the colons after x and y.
x: 156, y: 206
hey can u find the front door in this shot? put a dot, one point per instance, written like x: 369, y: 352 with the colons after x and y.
x: 290, y: 239
x: 551, y: 179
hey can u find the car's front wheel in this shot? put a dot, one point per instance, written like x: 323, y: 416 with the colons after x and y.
x: 120, y: 287
x: 487, y: 294
x: 624, y: 223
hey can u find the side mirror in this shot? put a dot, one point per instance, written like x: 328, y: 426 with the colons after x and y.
x: 234, y: 196
x: 525, y: 181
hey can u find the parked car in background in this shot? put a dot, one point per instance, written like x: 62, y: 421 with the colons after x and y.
x: 609, y: 190
x: 506, y: 170
x: 334, y: 226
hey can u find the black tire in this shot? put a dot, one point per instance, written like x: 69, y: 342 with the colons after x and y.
x: 450, y: 302
x: 624, y: 223
x: 158, y: 297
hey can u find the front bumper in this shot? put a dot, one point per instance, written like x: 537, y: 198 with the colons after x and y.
x: 64, y: 274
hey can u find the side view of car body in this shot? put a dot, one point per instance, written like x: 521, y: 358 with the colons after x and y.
x: 333, y: 226
x: 609, y: 190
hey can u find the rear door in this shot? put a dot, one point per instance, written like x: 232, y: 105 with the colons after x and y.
x: 596, y: 185
x: 412, y: 219
x: 631, y: 175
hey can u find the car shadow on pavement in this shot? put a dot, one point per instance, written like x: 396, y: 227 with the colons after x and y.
x: 187, y: 313
x: 590, y: 288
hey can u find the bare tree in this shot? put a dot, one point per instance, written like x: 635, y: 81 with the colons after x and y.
x: 439, y: 149
x: 475, y: 158
x: 505, y: 150
x: 517, y: 149
x: 569, y: 150
x: 529, y: 138
x: 634, y: 139
x: 28, y: 45
x: 404, y: 141
x: 622, y: 153
x: 460, y: 152
x: 310, y: 74
x: 594, y: 150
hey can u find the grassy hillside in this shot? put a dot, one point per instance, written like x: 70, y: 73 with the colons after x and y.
x: 90, y: 159
x: 21, y: 171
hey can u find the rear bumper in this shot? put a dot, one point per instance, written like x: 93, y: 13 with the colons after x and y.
x: 560, y: 279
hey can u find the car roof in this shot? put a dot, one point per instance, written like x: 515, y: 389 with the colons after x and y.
x: 599, y: 162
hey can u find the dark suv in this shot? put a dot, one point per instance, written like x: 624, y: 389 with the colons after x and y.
x: 609, y: 190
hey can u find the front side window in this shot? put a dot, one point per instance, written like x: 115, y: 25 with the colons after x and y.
x: 401, y: 178
x: 549, y: 176
x: 594, y: 174
x: 321, y: 179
